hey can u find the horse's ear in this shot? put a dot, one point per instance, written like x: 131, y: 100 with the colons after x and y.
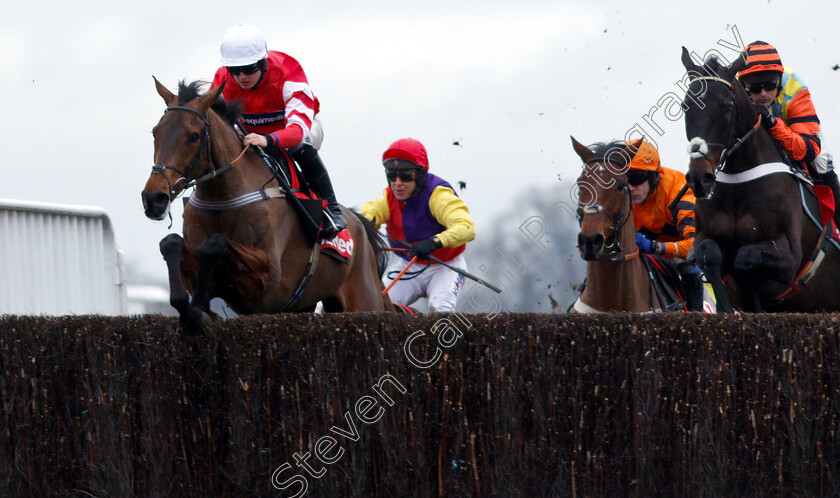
x: 584, y: 152
x: 205, y: 101
x: 168, y: 96
x: 688, y: 64
x: 736, y: 67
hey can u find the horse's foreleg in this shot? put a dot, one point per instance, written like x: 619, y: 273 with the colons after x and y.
x: 213, y: 248
x: 709, y: 259
x: 773, y: 260
x: 171, y: 248
x: 173, y: 251
x: 756, y: 265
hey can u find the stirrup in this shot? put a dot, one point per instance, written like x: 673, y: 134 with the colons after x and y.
x: 331, y: 228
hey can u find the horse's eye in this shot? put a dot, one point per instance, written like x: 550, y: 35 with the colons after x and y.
x: 194, y: 138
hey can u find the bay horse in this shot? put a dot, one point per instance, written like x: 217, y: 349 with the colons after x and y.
x: 751, y: 226
x: 616, y: 277
x: 252, y: 254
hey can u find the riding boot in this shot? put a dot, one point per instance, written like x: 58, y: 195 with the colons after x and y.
x: 319, y: 180
x: 830, y: 179
x: 692, y: 286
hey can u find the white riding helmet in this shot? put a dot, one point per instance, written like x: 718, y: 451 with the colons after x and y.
x: 243, y: 45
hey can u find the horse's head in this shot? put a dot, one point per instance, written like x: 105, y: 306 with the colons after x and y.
x: 604, y: 202
x: 713, y: 103
x: 182, y: 145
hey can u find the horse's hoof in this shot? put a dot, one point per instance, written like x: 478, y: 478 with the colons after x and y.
x: 194, y: 321
x: 171, y: 245
x: 747, y: 260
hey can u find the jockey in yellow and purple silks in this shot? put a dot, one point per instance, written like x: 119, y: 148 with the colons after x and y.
x: 663, y: 229
x: 423, y: 210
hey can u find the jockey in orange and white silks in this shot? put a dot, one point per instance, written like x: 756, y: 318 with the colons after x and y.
x: 423, y: 210
x: 784, y: 103
x: 279, y: 109
x: 664, y: 224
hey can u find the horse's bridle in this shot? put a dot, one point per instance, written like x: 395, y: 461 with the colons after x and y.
x: 186, y: 174
x: 616, y: 252
x: 733, y: 142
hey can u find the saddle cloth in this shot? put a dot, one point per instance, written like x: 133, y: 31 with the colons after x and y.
x: 309, y: 206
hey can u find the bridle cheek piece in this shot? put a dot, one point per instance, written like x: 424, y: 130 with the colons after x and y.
x: 186, y: 174
x: 611, y: 242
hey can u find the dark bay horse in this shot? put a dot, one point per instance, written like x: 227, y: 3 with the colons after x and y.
x: 616, y: 278
x: 252, y: 254
x: 751, y: 226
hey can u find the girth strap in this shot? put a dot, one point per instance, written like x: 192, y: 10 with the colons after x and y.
x: 311, y: 266
x: 238, y: 201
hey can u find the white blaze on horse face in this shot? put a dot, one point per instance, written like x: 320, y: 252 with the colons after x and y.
x: 698, y: 148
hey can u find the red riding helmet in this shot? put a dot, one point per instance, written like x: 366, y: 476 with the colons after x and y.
x: 406, y: 149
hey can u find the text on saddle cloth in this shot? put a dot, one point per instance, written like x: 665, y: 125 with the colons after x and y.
x: 340, y: 247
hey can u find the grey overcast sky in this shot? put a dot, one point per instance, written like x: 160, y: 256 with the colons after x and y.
x: 509, y: 81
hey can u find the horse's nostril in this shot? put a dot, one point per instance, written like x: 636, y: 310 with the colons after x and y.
x: 155, y: 204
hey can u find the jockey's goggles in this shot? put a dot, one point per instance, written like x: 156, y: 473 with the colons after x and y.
x: 405, y: 175
x: 246, y: 70
x: 758, y: 86
x: 636, y: 178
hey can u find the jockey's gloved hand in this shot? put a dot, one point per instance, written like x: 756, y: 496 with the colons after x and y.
x: 767, y: 119
x: 645, y: 244
x: 425, y: 247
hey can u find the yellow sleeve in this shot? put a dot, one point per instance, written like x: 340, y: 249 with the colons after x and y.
x: 451, y: 212
x: 377, y: 210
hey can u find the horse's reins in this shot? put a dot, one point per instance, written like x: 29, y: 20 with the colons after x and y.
x: 617, y: 222
x: 733, y: 142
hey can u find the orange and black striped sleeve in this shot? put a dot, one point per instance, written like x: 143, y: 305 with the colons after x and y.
x: 799, y: 129
x: 683, y: 213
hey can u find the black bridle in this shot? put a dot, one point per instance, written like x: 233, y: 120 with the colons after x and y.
x: 186, y: 174
x: 611, y: 242
x: 733, y: 143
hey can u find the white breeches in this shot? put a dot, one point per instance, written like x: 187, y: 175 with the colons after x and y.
x: 437, y: 282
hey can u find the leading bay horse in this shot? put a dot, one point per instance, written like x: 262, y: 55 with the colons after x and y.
x: 616, y: 278
x: 751, y: 227
x: 252, y: 254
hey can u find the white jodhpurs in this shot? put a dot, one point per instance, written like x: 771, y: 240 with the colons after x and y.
x: 437, y: 282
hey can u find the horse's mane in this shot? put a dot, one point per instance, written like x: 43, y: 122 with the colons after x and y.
x: 377, y: 240
x: 713, y: 66
x: 231, y: 111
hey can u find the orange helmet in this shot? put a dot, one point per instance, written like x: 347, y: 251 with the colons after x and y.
x: 761, y: 56
x: 646, y: 158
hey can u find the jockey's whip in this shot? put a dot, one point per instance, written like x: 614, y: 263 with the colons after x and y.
x: 679, y: 196
x: 399, y: 275
x: 456, y: 270
x: 468, y: 275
